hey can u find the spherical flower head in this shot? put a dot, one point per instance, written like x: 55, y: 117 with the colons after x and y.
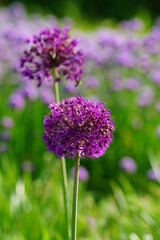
x: 83, y: 173
x: 7, y: 122
x: 53, y: 49
x: 78, y: 125
x: 153, y: 175
x: 4, y: 136
x: 16, y: 101
x: 128, y: 164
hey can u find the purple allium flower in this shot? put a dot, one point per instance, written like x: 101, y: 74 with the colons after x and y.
x: 30, y: 91
x: 155, y: 75
x: 83, y: 173
x: 77, y: 124
x: 146, y: 96
x: 153, y: 175
x: 117, y: 84
x: 133, y: 24
x: 47, y: 95
x: 70, y: 87
x: 17, y: 101
x: 128, y: 164
x: 125, y: 59
x: 7, y: 122
x: 53, y: 49
x: 27, y: 166
x: 91, y: 82
x: 4, y: 136
x: 131, y: 84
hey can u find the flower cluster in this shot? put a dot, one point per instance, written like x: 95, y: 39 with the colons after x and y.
x: 53, y: 49
x: 77, y: 124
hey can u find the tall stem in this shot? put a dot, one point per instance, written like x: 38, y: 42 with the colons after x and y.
x: 75, y: 197
x: 63, y: 165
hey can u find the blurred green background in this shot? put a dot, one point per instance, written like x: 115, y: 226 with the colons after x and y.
x: 116, y: 202
x: 94, y: 10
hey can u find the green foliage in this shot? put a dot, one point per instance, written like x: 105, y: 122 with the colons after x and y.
x: 33, y: 209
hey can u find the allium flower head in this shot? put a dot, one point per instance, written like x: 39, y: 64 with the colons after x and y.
x: 53, y: 49
x: 7, y: 122
x: 77, y: 124
x: 83, y: 173
x: 128, y: 164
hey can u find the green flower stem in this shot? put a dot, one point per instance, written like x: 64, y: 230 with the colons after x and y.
x: 63, y: 165
x: 56, y: 91
x: 75, y: 197
x: 65, y: 194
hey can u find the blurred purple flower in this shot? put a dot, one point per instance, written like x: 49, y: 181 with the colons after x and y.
x: 47, y: 95
x: 153, y: 175
x: 92, y: 222
x: 7, y: 122
x: 70, y: 87
x: 117, y: 84
x: 16, y: 101
x: 29, y: 91
x: 125, y: 59
x: 27, y: 166
x: 156, y: 77
x: 3, y: 148
x: 131, y: 84
x: 146, y: 96
x: 91, y: 82
x: 128, y: 164
x: 133, y: 24
x: 83, y: 173
x: 4, y: 136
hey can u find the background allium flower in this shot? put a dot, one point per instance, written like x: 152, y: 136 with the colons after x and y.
x: 83, y: 173
x: 131, y: 84
x: 7, y: 122
x: 17, y: 101
x: 70, y: 87
x: 128, y: 164
x: 29, y: 91
x: 47, y: 95
x: 91, y: 82
x: 52, y: 49
x: 4, y: 136
x: 153, y: 175
x: 77, y: 124
x: 27, y: 166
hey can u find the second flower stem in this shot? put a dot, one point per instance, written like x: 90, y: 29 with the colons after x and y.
x: 75, y: 197
x: 63, y: 167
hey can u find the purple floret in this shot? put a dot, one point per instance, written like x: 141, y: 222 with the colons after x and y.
x: 77, y: 124
x: 52, y: 49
